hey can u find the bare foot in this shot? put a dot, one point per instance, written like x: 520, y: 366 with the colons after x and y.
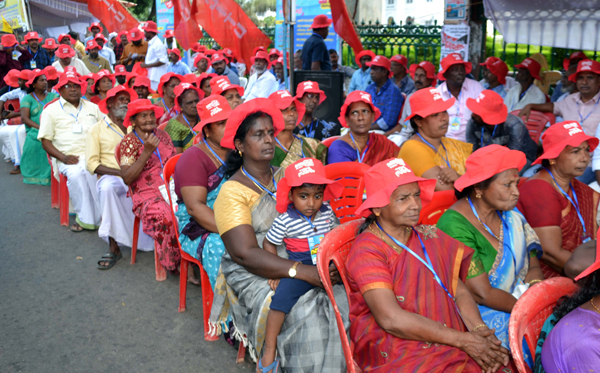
x: 192, y: 276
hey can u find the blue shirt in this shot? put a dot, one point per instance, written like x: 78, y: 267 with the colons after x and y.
x: 360, y: 80
x: 41, y: 57
x: 389, y: 101
x: 407, y: 85
x: 179, y: 68
x: 313, y: 50
x: 499, y: 89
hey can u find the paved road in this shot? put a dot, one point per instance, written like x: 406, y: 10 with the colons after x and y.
x: 59, y: 313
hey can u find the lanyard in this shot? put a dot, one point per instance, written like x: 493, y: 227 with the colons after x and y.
x: 523, y: 93
x: 575, y: 204
x: 301, y: 145
x: 287, y: 150
x: 212, y: 151
x: 307, y: 219
x: 93, y: 63
x: 427, y: 264
x: 259, y: 185
x: 171, y: 109
x: 358, y: 155
x: 117, y: 132
x: 458, y: 111
x: 493, y: 133
x: 38, y: 100
x: 435, y: 150
x: 76, y: 117
x: 581, y: 118
x: 36, y: 53
x: 481, y: 221
x: 307, y: 134
x: 156, y: 151
x: 189, y: 125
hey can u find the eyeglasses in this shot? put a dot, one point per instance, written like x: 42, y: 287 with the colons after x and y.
x: 72, y: 86
x: 312, y: 96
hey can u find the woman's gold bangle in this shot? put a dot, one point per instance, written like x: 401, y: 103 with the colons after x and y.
x: 534, y: 281
x: 479, y: 326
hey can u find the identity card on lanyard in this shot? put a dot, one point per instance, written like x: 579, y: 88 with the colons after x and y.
x: 455, y: 119
x: 75, y: 127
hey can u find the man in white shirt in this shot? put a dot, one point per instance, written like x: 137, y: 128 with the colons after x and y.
x: 454, y: 71
x: 157, y: 59
x: 12, y: 137
x: 262, y: 83
x: 526, y: 92
x: 63, y: 130
x: 66, y: 57
x: 105, y: 51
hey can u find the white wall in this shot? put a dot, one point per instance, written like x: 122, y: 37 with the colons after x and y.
x: 423, y: 11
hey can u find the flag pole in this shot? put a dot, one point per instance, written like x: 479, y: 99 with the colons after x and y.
x: 292, y: 51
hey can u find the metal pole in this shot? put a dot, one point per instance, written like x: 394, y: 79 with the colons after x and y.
x: 285, y: 53
x: 292, y: 51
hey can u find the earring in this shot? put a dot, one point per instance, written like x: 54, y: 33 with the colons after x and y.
x: 240, y: 153
x: 478, y: 196
x: 377, y: 214
x: 552, y: 163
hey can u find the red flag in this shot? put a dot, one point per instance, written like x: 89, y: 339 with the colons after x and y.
x: 343, y: 25
x: 231, y: 28
x: 112, y: 14
x: 187, y: 31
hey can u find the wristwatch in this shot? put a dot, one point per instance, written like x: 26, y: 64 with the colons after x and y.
x: 292, y: 271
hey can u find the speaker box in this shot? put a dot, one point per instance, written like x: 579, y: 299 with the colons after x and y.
x: 330, y: 82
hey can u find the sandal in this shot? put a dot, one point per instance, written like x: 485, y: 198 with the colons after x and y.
x: 271, y: 368
x: 15, y: 171
x: 76, y: 228
x: 109, y: 258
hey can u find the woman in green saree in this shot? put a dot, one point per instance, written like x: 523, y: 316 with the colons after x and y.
x: 181, y: 128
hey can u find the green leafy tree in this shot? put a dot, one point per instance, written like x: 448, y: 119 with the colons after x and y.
x: 145, y: 10
x: 254, y: 8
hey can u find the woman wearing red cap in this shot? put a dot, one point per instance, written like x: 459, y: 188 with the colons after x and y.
x: 203, y: 83
x: 142, y: 155
x: 505, y: 262
x: 291, y: 147
x: 103, y: 82
x: 244, y: 211
x: 410, y: 310
x: 358, y: 114
x: 561, y: 209
x: 429, y: 152
x: 181, y: 128
x: 166, y: 101
x: 232, y: 92
x: 34, y: 161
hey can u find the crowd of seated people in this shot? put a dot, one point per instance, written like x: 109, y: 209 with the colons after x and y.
x: 251, y: 198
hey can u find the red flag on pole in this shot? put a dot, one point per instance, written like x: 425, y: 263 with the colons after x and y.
x: 112, y: 14
x: 187, y: 31
x: 343, y: 25
x: 231, y: 28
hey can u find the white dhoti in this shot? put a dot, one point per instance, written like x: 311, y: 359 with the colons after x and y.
x: 82, y: 191
x: 117, y: 214
x: 13, y: 140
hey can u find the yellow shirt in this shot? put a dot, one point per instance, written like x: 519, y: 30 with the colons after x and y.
x: 233, y: 206
x: 421, y: 157
x: 96, y: 65
x: 100, y: 145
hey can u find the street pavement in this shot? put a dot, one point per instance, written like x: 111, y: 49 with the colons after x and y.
x: 58, y: 313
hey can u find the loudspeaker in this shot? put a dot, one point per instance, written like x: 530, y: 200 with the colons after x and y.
x: 330, y: 82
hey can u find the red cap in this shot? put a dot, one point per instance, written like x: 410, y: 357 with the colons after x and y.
x: 283, y: 100
x: 139, y: 69
x: 425, y: 65
x: 385, y: 177
x: 199, y: 57
x: 32, y: 35
x: 243, y: 111
x: 181, y: 88
x: 594, y: 266
x: 275, y: 52
x: 150, y: 26
x: 120, y: 34
x: 9, y: 40
x: 142, y: 81
x: 50, y: 43
x: 67, y: 77
x: 585, y: 66
x: 221, y: 84
x: 169, y: 34
x: 453, y: 59
x: 574, y: 56
x: 91, y: 44
x: 427, y: 101
x: 189, y: 78
x: 310, y: 87
x: 33, y: 75
x: 489, y: 106
x: 532, y: 66
x: 71, y: 69
x: 12, y: 78
x: 488, y: 161
x: 357, y: 96
x: 139, y: 105
x: 212, y: 109
x: 229, y: 53
x: 263, y: 56
x: 100, y: 37
x: 203, y: 76
x: 209, y: 52
x: 559, y: 135
x: 24, y: 74
x: 497, y: 67
x: 175, y: 51
x: 114, y: 92
x: 164, y: 79
x: 320, y: 21
x: 362, y: 54
x: 259, y: 48
x: 135, y: 34
x: 402, y: 60
x: 62, y: 36
x: 65, y: 51
x: 102, y: 74
x: 197, y: 47
x: 216, y: 57
x: 120, y: 70
x: 310, y: 171
x: 95, y: 24
x: 380, y: 61
x: 51, y: 72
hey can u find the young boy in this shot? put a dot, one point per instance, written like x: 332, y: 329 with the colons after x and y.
x: 304, y: 221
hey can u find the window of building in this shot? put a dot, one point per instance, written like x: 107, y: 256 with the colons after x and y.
x: 391, y: 2
x: 409, y: 1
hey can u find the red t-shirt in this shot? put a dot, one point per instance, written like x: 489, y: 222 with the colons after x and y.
x: 193, y: 169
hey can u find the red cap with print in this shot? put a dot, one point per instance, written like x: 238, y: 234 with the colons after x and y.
x: 532, y: 66
x: 489, y: 106
x: 222, y: 84
x: 559, y: 135
x: 585, y: 66
x: 427, y: 101
x: 310, y: 87
x: 214, y: 108
x: 357, y: 96
x: 401, y: 59
x: 453, y: 59
x: 283, y: 100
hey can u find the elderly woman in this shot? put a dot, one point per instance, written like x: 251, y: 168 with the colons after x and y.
x: 410, y: 309
x: 142, y: 155
x: 103, y: 82
x: 505, y: 262
x: 232, y: 92
x: 34, y: 161
x: 358, y: 113
x: 561, y: 209
x: 291, y: 147
x: 166, y: 101
x: 244, y: 211
x: 181, y: 128
x: 203, y: 82
x: 198, y: 176
x: 429, y: 152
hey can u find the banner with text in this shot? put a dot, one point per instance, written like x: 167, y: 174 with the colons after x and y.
x: 187, y: 31
x: 112, y: 14
x: 455, y: 39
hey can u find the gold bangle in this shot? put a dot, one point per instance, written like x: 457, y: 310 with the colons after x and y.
x: 535, y: 281
x: 479, y: 326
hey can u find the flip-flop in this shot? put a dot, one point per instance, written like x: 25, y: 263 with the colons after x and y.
x: 111, y: 259
x: 271, y: 368
x: 15, y: 171
x: 71, y: 227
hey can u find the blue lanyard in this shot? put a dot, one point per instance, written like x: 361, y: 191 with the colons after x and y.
x: 481, y: 221
x: 287, y: 150
x: 301, y: 145
x: 93, y: 63
x: 575, y: 204
x: 307, y: 219
x: 360, y: 159
x: 38, y: 100
x: 307, y: 134
x: 523, y: 93
x: 493, y: 133
x: 117, y: 132
x: 258, y: 184
x: 427, y: 264
x: 435, y: 150
x: 157, y: 152
x: 581, y: 118
x: 212, y: 151
x: 76, y: 117
x: 36, y: 53
x: 171, y: 109
x: 189, y: 125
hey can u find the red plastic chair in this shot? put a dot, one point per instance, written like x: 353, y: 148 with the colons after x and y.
x: 328, y: 141
x: 537, y: 122
x: 441, y: 202
x: 350, y: 174
x: 207, y: 293
x: 54, y: 195
x: 531, y: 311
x: 197, y: 138
x: 163, y: 125
x: 63, y: 201
x: 335, y: 246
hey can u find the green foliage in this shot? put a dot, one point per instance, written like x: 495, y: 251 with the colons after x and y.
x: 255, y: 8
x: 269, y: 21
x: 145, y: 10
